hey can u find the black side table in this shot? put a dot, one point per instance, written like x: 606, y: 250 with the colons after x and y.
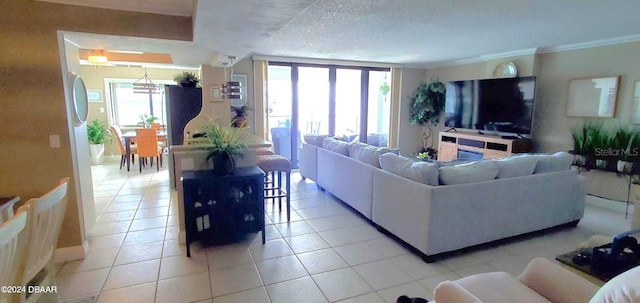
x: 222, y: 207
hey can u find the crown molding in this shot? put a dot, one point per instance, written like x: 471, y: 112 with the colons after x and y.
x: 485, y: 58
x: 326, y: 61
x: 597, y: 43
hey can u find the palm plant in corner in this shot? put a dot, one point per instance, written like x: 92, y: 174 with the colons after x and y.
x: 223, y: 145
x: 427, y: 104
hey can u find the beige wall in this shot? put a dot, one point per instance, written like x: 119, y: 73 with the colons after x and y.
x: 409, y: 137
x: 551, y: 126
x: 94, y: 76
x: 32, y: 98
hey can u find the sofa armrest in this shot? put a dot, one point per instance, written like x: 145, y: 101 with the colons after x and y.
x: 449, y: 291
x: 556, y: 283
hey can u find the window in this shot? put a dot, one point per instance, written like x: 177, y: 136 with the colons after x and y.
x: 127, y: 106
x: 351, y: 103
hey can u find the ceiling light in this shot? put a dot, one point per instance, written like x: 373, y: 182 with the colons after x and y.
x: 97, y: 57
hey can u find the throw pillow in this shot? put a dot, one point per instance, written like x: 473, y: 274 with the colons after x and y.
x: 314, y: 139
x: 515, y: 167
x: 555, y: 162
x: 467, y: 173
x: 366, y: 153
x: 336, y: 146
x: 423, y: 172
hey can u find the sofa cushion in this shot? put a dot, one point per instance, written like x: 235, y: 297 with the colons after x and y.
x: 423, y: 172
x: 336, y: 146
x: 366, y: 153
x: 515, y: 167
x: 624, y: 288
x: 314, y: 139
x: 467, y: 173
x: 555, y: 162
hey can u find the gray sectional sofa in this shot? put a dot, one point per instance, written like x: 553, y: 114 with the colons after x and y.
x: 464, y: 212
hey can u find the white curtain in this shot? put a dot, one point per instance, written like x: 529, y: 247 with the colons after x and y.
x: 260, y: 76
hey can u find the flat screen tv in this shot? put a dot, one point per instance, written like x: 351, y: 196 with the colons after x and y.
x: 491, y: 106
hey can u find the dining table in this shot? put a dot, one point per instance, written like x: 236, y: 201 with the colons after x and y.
x: 131, y: 135
x: 6, y: 207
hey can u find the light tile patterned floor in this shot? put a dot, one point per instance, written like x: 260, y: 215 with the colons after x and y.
x: 325, y: 254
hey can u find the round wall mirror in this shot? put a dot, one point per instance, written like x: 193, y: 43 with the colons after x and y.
x: 80, y: 101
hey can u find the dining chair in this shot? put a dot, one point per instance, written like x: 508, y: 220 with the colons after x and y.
x: 162, y: 142
x: 148, y: 146
x: 123, y: 151
x: 44, y: 221
x: 156, y: 126
x: 13, y: 236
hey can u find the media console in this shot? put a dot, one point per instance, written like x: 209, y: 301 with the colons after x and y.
x: 453, y: 146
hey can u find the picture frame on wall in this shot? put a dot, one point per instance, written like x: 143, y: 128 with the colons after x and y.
x: 635, y: 118
x: 593, y: 97
x: 217, y: 94
x: 94, y: 95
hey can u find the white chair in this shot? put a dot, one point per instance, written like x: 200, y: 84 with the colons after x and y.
x: 542, y: 281
x: 44, y: 222
x: 12, y: 243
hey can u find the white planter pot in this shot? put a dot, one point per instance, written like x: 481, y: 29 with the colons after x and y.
x: 97, y: 153
x: 624, y: 166
x: 579, y: 160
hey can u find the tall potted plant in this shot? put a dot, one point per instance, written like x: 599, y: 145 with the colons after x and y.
x: 427, y: 104
x: 98, y: 134
x: 224, y: 144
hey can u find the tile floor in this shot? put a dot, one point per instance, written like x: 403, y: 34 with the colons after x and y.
x: 325, y: 254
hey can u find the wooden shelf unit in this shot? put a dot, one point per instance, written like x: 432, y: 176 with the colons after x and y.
x: 490, y: 147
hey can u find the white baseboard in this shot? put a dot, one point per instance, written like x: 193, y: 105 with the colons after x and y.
x: 72, y: 253
x: 182, y: 237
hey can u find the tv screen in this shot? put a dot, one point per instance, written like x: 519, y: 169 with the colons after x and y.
x: 491, y: 105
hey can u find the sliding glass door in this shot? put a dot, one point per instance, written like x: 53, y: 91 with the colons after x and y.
x: 350, y: 103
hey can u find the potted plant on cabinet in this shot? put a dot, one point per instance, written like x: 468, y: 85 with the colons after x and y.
x: 427, y: 104
x: 146, y: 120
x: 224, y: 143
x: 186, y: 79
x: 582, y: 142
x: 629, y: 154
x: 600, y: 140
x: 98, y: 134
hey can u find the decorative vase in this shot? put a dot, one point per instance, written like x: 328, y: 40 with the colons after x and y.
x: 624, y: 166
x: 97, y: 153
x: 223, y: 164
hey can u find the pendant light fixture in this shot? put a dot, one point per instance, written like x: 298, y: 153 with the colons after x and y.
x: 144, y: 85
x: 232, y: 89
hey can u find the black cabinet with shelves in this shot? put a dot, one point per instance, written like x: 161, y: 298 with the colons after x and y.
x: 221, y: 208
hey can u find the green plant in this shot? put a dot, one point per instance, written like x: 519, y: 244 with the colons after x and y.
x: 147, y: 120
x: 188, y: 79
x: 223, y: 143
x: 98, y: 132
x: 631, y: 151
x: 583, y: 138
x: 427, y: 104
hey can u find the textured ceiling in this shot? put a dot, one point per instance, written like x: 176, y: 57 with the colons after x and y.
x: 411, y: 32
